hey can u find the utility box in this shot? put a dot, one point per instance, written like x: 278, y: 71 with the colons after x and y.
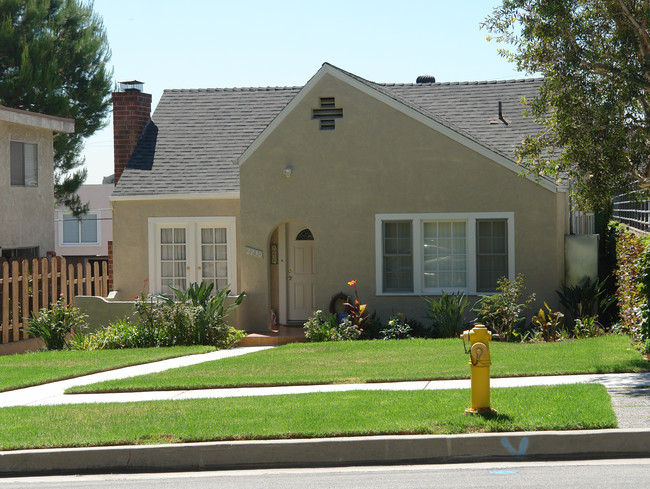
x: 580, y: 258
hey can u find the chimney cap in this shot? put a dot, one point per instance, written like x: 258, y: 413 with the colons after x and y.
x: 425, y: 79
x: 131, y: 86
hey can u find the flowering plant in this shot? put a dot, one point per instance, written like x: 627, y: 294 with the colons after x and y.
x: 357, y: 312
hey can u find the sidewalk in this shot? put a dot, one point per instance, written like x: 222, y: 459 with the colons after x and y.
x: 630, y: 399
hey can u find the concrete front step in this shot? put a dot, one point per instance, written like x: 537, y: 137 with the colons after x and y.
x: 281, y: 336
x: 256, y: 339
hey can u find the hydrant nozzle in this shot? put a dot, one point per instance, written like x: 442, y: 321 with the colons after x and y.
x: 479, y: 359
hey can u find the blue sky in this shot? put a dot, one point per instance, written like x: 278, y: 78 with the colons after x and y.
x: 215, y: 43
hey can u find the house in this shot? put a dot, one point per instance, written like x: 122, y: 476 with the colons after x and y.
x: 289, y: 193
x: 27, y: 182
x: 85, y: 239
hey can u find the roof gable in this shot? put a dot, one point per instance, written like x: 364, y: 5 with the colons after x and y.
x: 456, y: 117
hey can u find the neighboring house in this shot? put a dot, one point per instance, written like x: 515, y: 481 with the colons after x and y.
x: 289, y: 193
x: 27, y: 182
x: 85, y: 239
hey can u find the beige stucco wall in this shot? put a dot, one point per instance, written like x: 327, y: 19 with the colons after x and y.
x: 131, y: 235
x: 26, y: 213
x: 378, y: 161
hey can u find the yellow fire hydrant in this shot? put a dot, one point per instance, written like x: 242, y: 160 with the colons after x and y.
x: 479, y: 358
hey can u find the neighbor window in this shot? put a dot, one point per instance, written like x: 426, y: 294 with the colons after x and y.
x: 24, y: 164
x: 429, y: 253
x: 80, y: 230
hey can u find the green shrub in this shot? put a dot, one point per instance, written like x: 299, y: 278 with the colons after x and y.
x: 396, y: 329
x: 630, y: 251
x: 447, y: 314
x: 54, y: 323
x: 197, y: 319
x: 501, y: 312
x: 326, y: 327
x: 584, y: 300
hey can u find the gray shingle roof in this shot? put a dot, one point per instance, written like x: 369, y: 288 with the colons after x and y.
x: 194, y: 138
x: 192, y: 143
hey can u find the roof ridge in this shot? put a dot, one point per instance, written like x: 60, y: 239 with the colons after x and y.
x: 459, y: 83
x: 231, y: 89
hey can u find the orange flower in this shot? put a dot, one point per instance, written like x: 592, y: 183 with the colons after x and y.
x: 353, y: 283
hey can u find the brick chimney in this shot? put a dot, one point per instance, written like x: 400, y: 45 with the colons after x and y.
x: 131, y: 112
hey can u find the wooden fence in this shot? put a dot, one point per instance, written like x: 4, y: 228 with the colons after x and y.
x: 28, y: 285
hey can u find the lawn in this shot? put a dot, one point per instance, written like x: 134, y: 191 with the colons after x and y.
x: 396, y: 360
x: 356, y: 413
x: 27, y: 369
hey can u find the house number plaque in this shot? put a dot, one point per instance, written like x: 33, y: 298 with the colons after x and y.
x: 254, y: 252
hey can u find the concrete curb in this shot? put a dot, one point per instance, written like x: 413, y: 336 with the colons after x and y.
x: 370, y: 450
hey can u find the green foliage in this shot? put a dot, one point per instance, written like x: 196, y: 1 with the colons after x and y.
x: 54, y: 58
x: 447, y: 314
x: 396, y: 329
x: 584, y: 300
x: 357, y: 312
x: 548, y: 322
x: 630, y: 263
x: 197, y: 319
x: 326, y: 327
x: 586, y: 327
x: 593, y: 107
x: 211, y: 311
x: 54, y: 323
x: 500, y: 312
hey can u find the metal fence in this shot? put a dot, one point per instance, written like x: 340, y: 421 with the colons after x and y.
x: 633, y: 210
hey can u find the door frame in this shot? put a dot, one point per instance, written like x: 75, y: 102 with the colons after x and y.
x: 284, y: 243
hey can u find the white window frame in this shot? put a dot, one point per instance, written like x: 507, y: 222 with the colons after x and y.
x: 79, y: 243
x: 192, y: 227
x: 417, y: 224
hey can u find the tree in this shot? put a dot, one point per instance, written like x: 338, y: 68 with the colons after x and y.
x: 53, y: 60
x: 593, y: 108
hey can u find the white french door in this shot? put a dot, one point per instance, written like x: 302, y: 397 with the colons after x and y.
x: 186, y: 250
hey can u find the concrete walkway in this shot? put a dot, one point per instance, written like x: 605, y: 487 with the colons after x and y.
x: 630, y: 399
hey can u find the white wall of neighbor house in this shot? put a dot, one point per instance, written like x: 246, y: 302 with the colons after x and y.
x: 26, y: 212
x: 89, y: 237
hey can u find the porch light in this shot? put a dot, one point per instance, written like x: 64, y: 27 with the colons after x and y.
x: 287, y: 171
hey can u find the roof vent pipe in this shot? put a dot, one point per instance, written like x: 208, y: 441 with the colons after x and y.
x: 426, y: 79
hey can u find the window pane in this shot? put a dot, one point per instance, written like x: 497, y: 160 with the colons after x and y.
x: 89, y: 229
x: 31, y: 165
x: 17, y: 165
x: 492, y: 253
x: 444, y: 254
x: 398, y: 257
x: 70, y: 229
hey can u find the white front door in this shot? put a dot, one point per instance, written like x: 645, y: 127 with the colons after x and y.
x: 300, y: 272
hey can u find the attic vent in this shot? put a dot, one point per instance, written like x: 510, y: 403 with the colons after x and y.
x: 326, y: 113
x: 425, y: 79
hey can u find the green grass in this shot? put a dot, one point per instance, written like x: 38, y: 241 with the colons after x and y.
x: 396, y: 360
x: 27, y: 369
x: 565, y: 407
